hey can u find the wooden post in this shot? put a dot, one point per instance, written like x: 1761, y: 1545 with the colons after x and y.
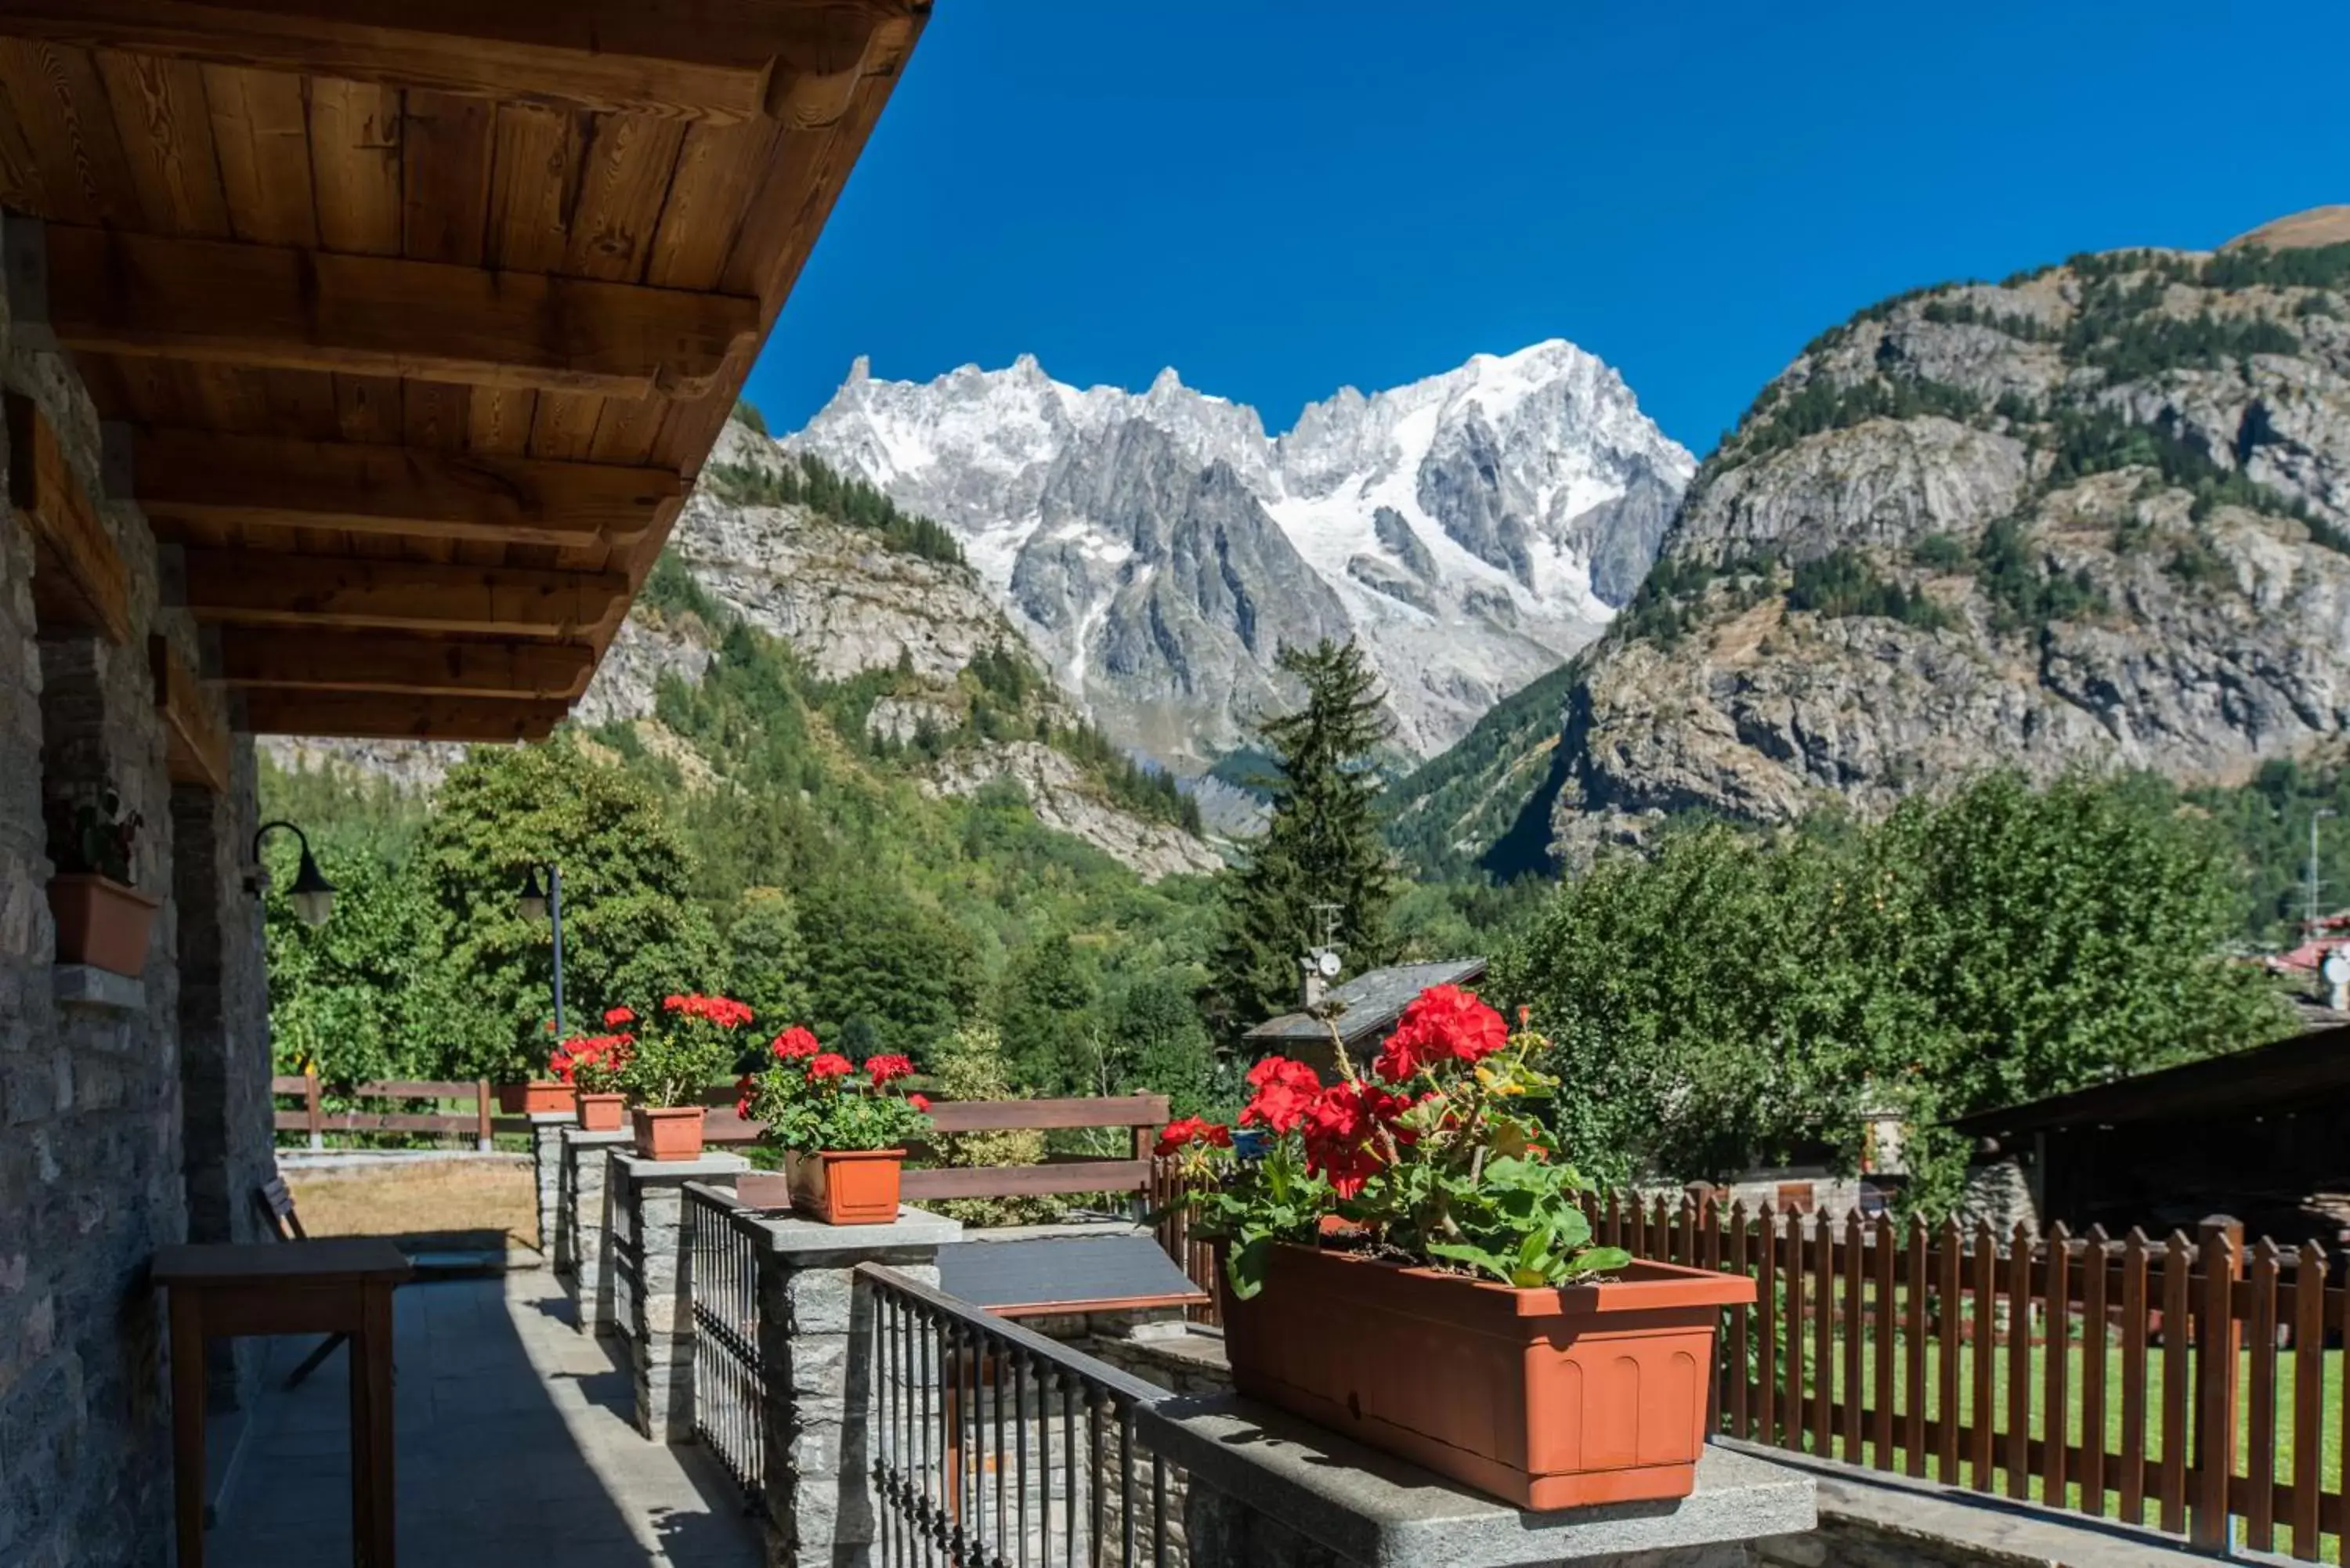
x: 482, y: 1115
x: 2219, y: 1246
x: 311, y: 1108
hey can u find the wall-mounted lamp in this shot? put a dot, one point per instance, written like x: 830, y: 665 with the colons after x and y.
x: 313, y: 895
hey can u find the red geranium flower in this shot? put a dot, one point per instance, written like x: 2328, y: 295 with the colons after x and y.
x: 1284, y: 1090
x: 795, y: 1042
x: 1442, y: 1023
x: 887, y: 1069
x: 614, y: 1017
x: 744, y: 1087
x: 920, y: 1102
x: 1342, y: 1141
x: 1193, y: 1129
x: 827, y: 1064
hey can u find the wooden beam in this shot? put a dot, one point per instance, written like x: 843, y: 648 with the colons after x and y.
x: 375, y: 715
x: 79, y: 579
x: 196, y: 747
x: 244, y: 587
x: 272, y: 308
x: 721, y: 60
x: 353, y: 661
x: 202, y: 476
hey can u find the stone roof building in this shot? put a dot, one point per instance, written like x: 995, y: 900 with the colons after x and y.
x: 1363, y: 1009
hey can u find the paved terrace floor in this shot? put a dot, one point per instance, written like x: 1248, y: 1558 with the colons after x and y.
x: 514, y: 1451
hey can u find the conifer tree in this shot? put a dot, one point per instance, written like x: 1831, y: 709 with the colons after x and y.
x: 1323, y: 844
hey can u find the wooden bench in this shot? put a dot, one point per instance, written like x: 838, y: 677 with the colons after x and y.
x: 1139, y: 1115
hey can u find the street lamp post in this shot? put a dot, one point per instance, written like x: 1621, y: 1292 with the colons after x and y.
x: 312, y: 896
x: 548, y: 906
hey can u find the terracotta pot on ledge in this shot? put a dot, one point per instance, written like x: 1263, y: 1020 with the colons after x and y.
x: 668, y: 1132
x: 539, y: 1097
x: 100, y: 922
x: 602, y: 1113
x: 848, y: 1187
x: 1545, y: 1398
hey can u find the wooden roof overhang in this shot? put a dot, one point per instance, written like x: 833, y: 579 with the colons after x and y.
x: 414, y: 321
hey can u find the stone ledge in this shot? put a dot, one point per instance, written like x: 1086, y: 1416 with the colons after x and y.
x: 1380, y: 1511
x: 554, y: 1118
x: 644, y: 1171
x: 87, y: 985
x: 1953, y: 1522
x: 801, y: 1243
x: 575, y: 1135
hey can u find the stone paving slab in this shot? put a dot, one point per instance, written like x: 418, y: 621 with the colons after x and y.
x: 514, y: 1451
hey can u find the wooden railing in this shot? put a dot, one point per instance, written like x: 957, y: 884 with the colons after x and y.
x: 1139, y: 1116
x: 315, y: 1119
x: 2181, y: 1384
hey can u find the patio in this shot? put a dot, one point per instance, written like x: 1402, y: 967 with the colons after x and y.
x: 516, y: 1450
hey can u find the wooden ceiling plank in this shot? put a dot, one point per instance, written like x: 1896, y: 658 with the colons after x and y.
x: 72, y: 546
x: 717, y: 169
x: 164, y: 123
x: 261, y: 133
x: 355, y: 143
x: 201, y: 475
x: 445, y: 154
x: 62, y: 105
x: 324, y: 661
x: 246, y: 589
x: 268, y: 306
x: 533, y: 179
x: 623, y: 180
x: 22, y: 188
x: 197, y: 746
x: 721, y: 59
x: 399, y: 716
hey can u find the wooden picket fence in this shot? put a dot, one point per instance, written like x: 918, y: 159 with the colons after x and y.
x: 2185, y: 1383
x: 480, y: 1123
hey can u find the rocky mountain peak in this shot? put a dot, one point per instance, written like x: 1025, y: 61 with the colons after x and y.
x: 1473, y: 528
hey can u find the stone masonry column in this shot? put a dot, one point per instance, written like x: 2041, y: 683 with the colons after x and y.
x: 814, y: 1323
x: 653, y: 1282
x: 546, y: 1165
x: 583, y: 1224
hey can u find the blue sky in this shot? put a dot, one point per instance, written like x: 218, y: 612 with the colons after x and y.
x: 1282, y: 197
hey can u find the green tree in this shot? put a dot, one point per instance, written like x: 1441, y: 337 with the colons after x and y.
x: 884, y: 973
x: 968, y: 1065
x: 1044, y: 1006
x: 631, y: 933
x: 1161, y: 1046
x: 1322, y: 844
x: 769, y: 959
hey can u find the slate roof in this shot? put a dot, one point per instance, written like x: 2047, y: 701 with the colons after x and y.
x: 1374, y: 1000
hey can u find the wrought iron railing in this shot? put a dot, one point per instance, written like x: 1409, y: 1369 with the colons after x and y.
x: 993, y: 1447
x: 730, y: 1391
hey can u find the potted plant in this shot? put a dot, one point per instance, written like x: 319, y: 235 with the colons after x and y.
x: 100, y: 918
x: 843, y: 1130
x: 1409, y: 1262
x: 554, y: 1093
x: 593, y: 1066
x: 674, y: 1061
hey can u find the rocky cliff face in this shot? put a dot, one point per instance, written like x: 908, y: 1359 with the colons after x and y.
x: 1158, y: 549
x: 2098, y: 515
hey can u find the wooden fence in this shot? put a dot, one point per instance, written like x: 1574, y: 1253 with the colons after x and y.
x: 2187, y: 1383
x: 317, y: 1121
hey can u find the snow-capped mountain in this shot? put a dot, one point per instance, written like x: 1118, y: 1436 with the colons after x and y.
x: 1474, y: 528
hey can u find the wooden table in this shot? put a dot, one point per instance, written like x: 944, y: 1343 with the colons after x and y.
x: 334, y: 1286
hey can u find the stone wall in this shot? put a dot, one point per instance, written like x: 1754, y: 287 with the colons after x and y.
x: 98, y: 1166
x: 653, y: 1280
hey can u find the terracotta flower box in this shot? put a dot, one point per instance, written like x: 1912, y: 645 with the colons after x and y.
x: 539, y: 1097
x: 668, y: 1132
x: 1545, y: 1398
x: 848, y: 1187
x: 602, y: 1113
x: 100, y: 922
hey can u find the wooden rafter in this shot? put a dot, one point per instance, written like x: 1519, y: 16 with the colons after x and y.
x: 196, y: 746
x: 202, y: 476
x: 246, y: 587
x: 254, y: 657
x: 721, y: 60
x: 79, y: 579
x: 401, y: 716
x: 273, y: 308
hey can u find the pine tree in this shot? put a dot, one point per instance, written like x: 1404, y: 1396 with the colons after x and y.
x: 1322, y: 846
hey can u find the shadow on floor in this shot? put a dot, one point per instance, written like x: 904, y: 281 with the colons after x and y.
x: 515, y: 1449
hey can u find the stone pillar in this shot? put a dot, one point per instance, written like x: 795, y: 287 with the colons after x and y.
x: 813, y: 1320
x: 653, y: 1282
x: 546, y: 1164
x: 1273, y: 1491
x: 584, y: 1224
